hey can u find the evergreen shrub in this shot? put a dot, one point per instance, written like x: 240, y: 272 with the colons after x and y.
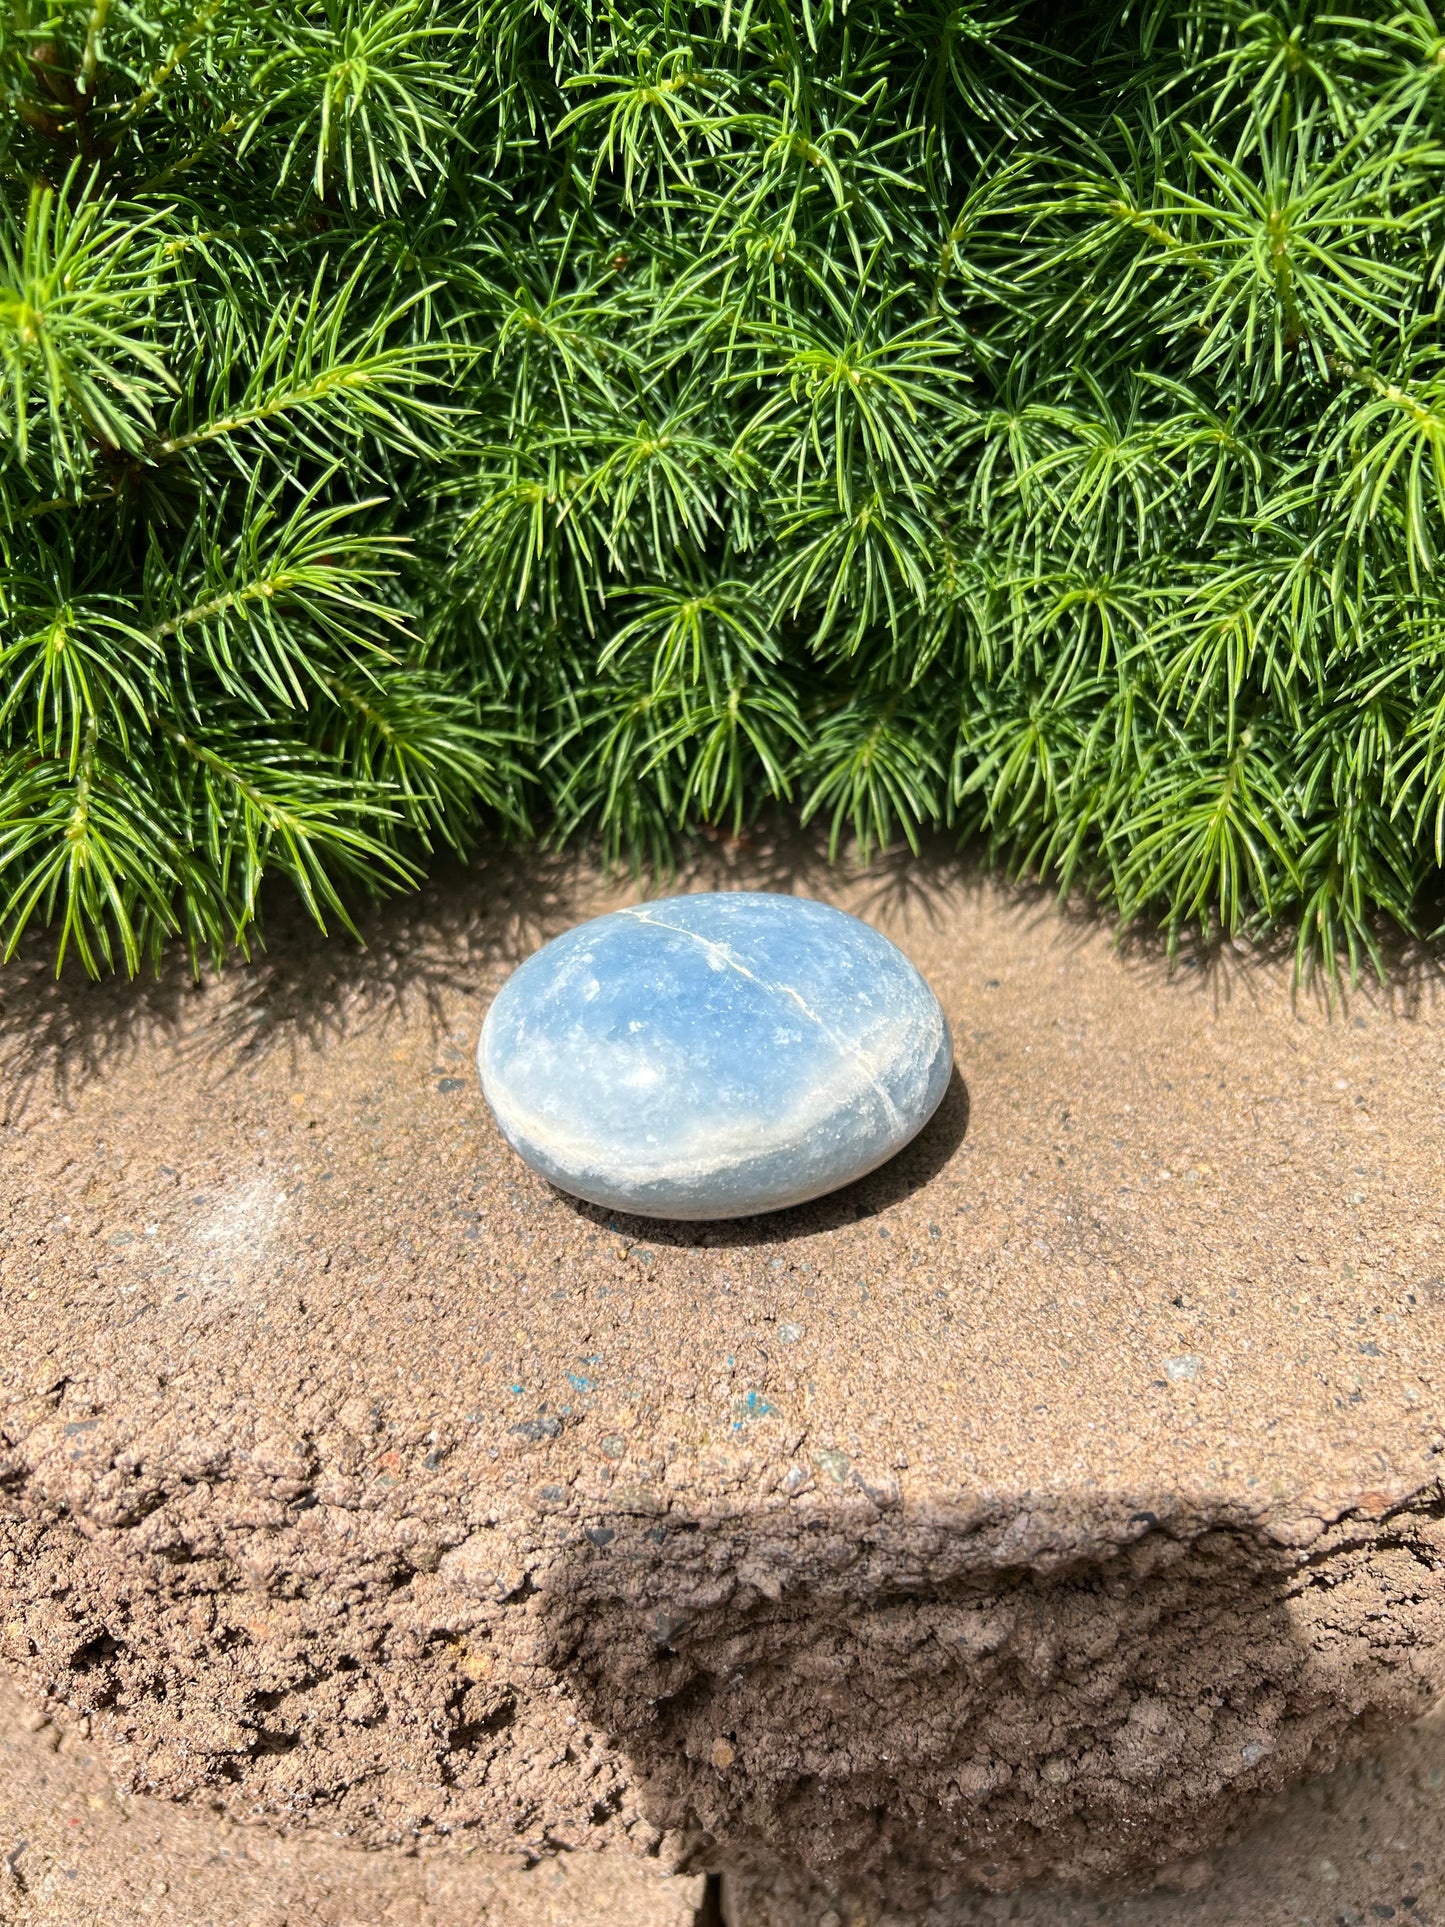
x: 426, y: 416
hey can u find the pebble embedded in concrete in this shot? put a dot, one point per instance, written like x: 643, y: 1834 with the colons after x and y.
x: 714, y: 1056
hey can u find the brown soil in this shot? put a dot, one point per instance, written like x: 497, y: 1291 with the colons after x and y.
x: 1031, y: 1511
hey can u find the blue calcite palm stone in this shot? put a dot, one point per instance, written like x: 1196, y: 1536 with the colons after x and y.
x: 713, y: 1056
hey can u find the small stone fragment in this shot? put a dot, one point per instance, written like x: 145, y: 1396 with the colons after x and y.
x: 713, y: 1056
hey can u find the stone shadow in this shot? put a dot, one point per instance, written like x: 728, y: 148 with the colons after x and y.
x: 907, y: 1171
x: 879, y: 1706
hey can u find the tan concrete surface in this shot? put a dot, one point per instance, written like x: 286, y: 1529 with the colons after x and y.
x: 1361, y: 1846
x: 76, y: 1851
x: 1033, y: 1510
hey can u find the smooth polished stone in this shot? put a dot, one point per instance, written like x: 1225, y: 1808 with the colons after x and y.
x: 713, y: 1056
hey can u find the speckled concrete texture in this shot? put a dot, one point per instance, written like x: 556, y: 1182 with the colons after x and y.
x: 1360, y: 1846
x: 1034, y: 1510
x: 77, y: 1851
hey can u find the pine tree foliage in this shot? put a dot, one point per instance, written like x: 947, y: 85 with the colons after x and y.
x: 424, y: 416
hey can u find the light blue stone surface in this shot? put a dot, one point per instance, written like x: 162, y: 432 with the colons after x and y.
x: 713, y: 1056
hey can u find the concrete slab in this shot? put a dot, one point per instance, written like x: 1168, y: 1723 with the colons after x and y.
x: 1353, y: 1848
x: 78, y: 1851
x: 1033, y: 1511
x: 1362, y: 1845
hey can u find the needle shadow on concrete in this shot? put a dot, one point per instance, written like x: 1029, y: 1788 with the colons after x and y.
x: 307, y: 991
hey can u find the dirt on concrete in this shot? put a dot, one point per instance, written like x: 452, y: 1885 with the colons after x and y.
x: 76, y: 1850
x: 1359, y: 1846
x: 1354, y: 1848
x: 1032, y: 1511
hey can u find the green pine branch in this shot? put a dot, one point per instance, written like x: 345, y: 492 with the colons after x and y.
x: 421, y: 419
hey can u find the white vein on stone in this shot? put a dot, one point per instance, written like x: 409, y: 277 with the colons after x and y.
x: 708, y: 1147
x: 640, y: 915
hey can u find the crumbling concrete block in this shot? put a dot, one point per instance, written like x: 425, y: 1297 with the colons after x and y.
x: 1032, y: 1511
